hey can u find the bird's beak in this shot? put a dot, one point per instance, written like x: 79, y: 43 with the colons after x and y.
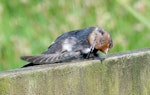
x: 106, y: 51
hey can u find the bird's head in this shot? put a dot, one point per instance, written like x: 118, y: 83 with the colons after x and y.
x: 102, y: 40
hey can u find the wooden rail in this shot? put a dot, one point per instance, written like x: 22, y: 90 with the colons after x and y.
x: 120, y: 74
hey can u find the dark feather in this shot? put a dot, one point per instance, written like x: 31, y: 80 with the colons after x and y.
x: 51, y: 58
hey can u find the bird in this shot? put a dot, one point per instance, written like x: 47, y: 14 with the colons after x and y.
x: 76, y: 44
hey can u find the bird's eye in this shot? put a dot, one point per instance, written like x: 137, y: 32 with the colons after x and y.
x: 102, y: 32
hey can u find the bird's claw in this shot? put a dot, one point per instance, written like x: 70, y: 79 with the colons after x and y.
x: 100, y: 58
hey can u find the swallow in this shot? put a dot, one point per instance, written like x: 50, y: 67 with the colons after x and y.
x: 77, y: 44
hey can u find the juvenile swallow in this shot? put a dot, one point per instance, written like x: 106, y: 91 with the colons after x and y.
x: 77, y: 44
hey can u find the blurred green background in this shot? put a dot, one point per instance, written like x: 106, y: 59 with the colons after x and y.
x: 27, y: 27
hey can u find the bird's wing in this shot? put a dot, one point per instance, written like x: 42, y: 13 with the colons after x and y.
x: 52, y: 58
x: 80, y: 37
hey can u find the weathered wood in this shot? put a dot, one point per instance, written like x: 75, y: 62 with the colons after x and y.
x: 120, y: 74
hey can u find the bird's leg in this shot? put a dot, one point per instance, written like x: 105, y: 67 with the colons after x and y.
x: 92, y: 46
x: 98, y: 57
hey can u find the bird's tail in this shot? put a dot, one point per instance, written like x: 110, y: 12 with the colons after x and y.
x: 50, y: 58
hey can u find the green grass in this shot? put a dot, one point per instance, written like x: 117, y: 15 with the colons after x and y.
x: 28, y: 27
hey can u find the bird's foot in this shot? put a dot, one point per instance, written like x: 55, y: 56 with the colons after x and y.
x: 99, y: 58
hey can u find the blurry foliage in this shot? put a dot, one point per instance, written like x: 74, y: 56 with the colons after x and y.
x: 28, y: 27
